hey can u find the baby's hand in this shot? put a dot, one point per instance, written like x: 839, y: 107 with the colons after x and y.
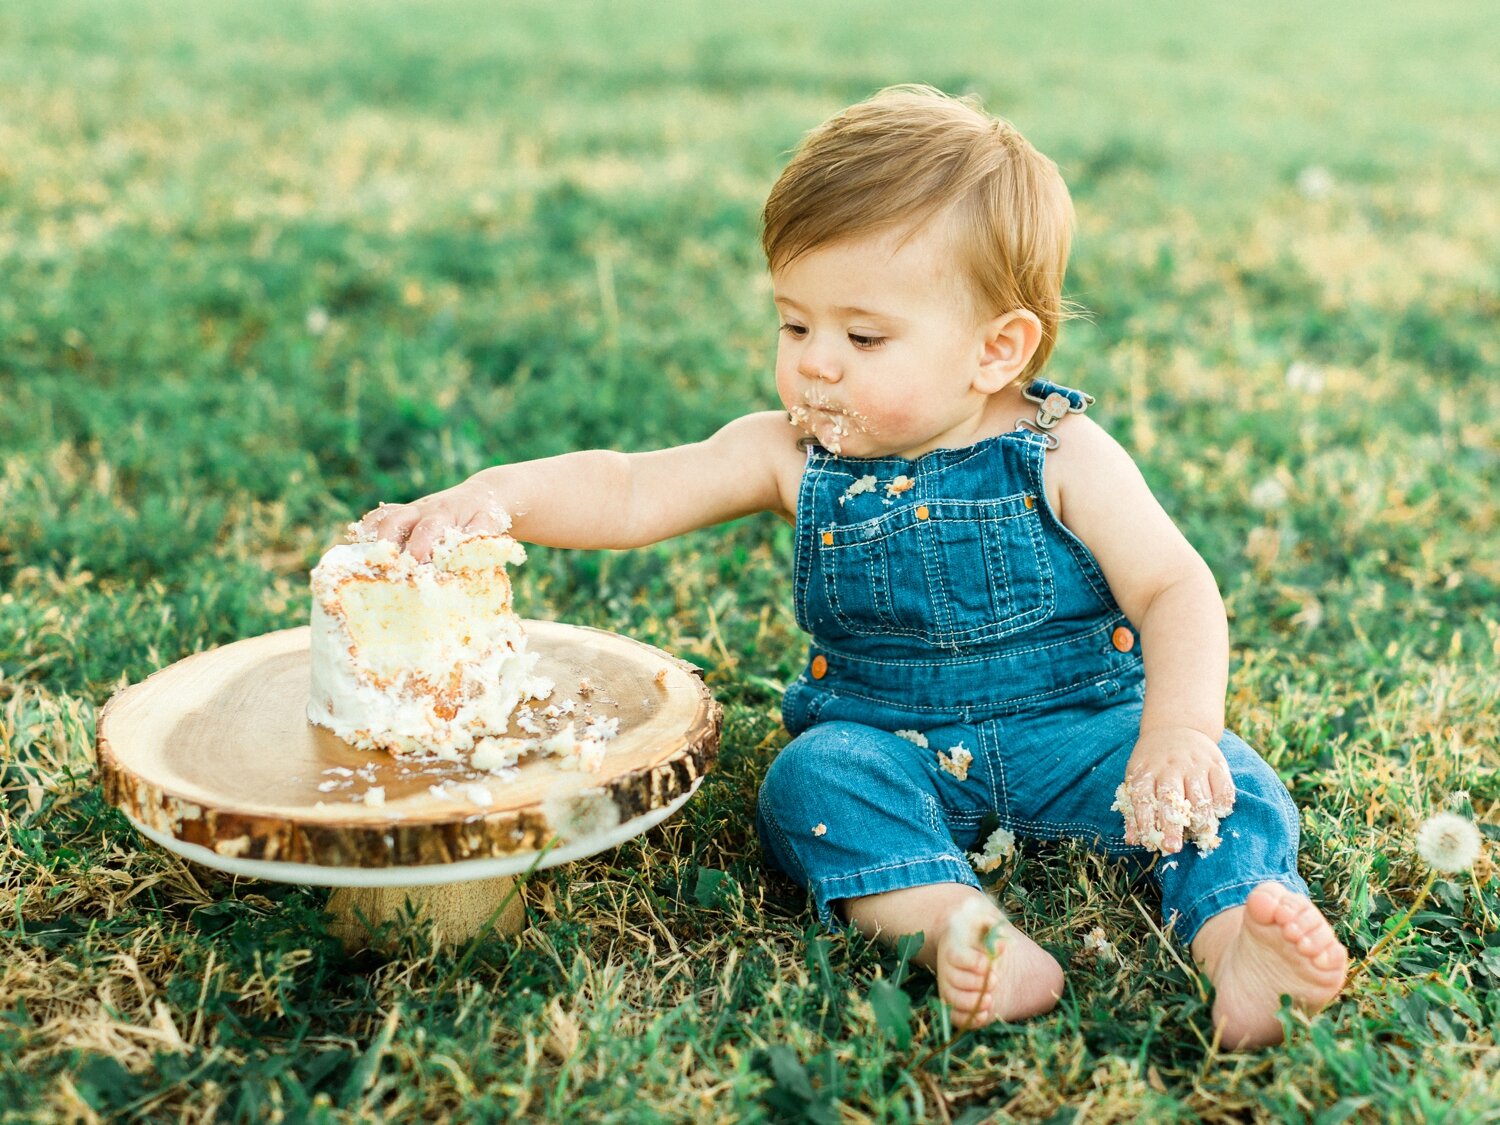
x: 1176, y: 779
x: 417, y: 526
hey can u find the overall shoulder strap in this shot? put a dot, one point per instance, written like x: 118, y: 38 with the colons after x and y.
x: 1054, y: 402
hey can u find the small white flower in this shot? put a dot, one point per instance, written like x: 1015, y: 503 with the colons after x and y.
x: 317, y: 321
x: 1448, y: 842
x: 1000, y: 845
x: 1268, y: 494
x: 1315, y: 182
x: 1096, y: 943
x: 1305, y: 377
x: 1309, y: 615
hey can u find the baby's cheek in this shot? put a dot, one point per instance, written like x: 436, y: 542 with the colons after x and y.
x: 893, y: 416
x: 784, y: 386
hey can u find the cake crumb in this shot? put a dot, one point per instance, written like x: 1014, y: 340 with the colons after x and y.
x: 603, y: 728
x: 863, y: 484
x: 375, y: 795
x: 901, y: 484
x: 1199, y: 821
x: 585, y: 689
x: 915, y: 737
x: 956, y: 761
x: 661, y: 678
x: 820, y: 830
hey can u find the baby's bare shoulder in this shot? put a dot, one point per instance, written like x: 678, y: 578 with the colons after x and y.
x: 1089, y: 468
x: 765, y: 442
x: 1085, y: 449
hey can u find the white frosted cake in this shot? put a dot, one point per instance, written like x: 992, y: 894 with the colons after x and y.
x: 422, y: 659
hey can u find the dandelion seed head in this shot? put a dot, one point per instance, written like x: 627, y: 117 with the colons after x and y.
x: 1268, y: 494
x: 1448, y: 842
x: 1307, y: 378
x: 1315, y: 182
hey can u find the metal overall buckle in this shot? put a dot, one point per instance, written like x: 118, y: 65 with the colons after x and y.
x: 1054, y: 403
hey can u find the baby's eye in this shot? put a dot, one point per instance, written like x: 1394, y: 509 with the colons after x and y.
x: 795, y: 331
x: 860, y: 341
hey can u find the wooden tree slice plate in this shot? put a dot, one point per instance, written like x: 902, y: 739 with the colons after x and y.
x: 215, y: 755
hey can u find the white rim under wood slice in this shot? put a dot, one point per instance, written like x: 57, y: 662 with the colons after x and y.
x: 215, y: 752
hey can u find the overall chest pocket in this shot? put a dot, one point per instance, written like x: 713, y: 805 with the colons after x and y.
x: 947, y: 572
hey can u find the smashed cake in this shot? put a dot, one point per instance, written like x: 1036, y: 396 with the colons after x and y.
x: 429, y: 659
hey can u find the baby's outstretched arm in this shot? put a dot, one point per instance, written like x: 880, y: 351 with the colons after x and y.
x: 596, y: 499
x: 1177, y: 777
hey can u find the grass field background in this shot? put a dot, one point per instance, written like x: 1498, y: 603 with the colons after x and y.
x: 266, y: 264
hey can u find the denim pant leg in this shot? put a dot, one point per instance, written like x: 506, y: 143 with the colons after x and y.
x: 1260, y: 841
x: 850, y: 810
x: 1260, y: 837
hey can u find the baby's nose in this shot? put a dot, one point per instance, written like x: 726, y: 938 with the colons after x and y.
x: 816, y: 363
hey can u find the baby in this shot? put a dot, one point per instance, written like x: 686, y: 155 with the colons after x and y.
x: 1004, y: 622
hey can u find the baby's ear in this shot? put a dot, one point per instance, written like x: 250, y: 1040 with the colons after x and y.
x: 1009, y: 342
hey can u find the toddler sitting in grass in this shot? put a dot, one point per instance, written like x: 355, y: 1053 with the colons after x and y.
x: 1004, y: 622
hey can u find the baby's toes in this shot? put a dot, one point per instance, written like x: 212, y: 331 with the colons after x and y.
x: 1317, y: 937
x: 1330, y: 956
x: 1305, y: 920
x: 971, y: 1009
x: 967, y: 979
x: 967, y: 961
x: 1298, y: 927
x: 1310, y: 945
x: 1290, y: 909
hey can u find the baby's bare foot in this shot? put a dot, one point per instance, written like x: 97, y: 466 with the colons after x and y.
x: 988, y: 970
x: 1284, y: 946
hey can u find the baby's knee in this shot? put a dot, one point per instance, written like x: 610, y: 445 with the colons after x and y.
x: 825, y: 750
x: 829, y: 756
x: 1257, y: 784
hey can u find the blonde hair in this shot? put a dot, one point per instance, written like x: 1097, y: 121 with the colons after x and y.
x: 912, y: 154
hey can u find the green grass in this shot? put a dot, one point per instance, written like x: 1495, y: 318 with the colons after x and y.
x: 532, y: 227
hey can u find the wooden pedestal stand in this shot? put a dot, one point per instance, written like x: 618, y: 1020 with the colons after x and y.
x: 214, y: 759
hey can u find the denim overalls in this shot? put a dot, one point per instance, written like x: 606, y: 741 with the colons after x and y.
x: 947, y: 602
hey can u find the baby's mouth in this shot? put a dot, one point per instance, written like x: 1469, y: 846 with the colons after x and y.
x: 840, y: 422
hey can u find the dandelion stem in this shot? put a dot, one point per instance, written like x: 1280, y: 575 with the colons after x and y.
x: 1390, y: 935
x: 989, y: 970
